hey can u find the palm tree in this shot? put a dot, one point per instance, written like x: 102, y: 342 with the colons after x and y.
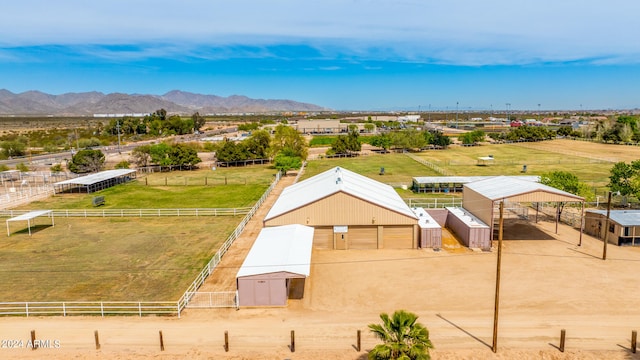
x: 403, y: 337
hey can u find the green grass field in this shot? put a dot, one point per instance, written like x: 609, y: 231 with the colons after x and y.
x: 244, y: 187
x: 509, y: 160
x: 108, y: 259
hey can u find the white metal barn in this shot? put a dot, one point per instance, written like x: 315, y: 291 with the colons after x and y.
x: 276, y: 267
x: 348, y: 211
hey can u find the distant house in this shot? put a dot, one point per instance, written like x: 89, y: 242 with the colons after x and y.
x: 408, y: 118
x: 624, y: 226
x: 321, y: 126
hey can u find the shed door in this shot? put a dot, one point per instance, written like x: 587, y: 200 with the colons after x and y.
x: 342, y: 240
x: 323, y: 237
x: 262, y: 292
x: 364, y: 237
x: 398, y: 237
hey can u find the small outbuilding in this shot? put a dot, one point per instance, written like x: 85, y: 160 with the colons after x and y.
x: 430, y: 230
x: 624, y: 226
x: 276, y: 267
x: 472, y: 231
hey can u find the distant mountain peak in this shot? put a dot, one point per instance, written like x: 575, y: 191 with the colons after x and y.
x: 34, y: 102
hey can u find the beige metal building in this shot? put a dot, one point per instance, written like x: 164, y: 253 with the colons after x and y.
x: 348, y: 211
x: 482, y: 198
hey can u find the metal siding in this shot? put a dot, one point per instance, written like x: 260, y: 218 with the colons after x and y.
x: 341, y: 209
x: 439, y: 215
x: 478, y: 205
x: 431, y: 238
x: 323, y: 238
x: 398, y: 237
x: 363, y: 237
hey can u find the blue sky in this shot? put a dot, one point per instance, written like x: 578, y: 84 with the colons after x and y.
x: 341, y: 54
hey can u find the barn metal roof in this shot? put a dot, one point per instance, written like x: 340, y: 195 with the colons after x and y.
x: 280, y: 248
x: 425, y: 221
x: 502, y: 187
x: 622, y: 217
x: 466, y: 179
x: 466, y: 217
x: 97, y: 177
x: 338, y: 180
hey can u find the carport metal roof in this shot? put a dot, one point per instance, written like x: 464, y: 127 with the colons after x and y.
x: 28, y: 217
x: 503, y: 187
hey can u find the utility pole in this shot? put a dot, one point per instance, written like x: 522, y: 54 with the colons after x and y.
x: 429, y: 112
x: 456, y: 114
x: 606, y: 228
x: 494, y: 348
x: 118, y: 128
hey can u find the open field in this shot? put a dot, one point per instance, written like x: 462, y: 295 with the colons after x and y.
x: 112, y: 259
x: 244, y: 187
x: 509, y: 159
x: 398, y: 168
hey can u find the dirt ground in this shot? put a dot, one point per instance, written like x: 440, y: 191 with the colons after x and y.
x: 548, y: 283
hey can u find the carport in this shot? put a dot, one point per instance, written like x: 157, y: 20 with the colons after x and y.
x: 276, y: 267
x: 482, y: 198
x: 30, y: 216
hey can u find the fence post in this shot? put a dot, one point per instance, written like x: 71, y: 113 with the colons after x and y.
x: 33, y: 340
x: 358, y: 342
x: 563, y: 334
x: 226, y: 341
x: 161, y: 341
x: 293, y: 341
x: 634, y: 341
x: 97, y: 339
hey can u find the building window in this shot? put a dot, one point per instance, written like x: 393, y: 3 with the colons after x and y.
x: 612, y: 228
x: 627, y: 231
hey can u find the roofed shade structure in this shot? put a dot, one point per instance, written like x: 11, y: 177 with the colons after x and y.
x: 95, y: 182
x: 480, y: 197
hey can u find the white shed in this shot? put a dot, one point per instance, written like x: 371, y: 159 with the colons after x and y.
x: 276, y: 267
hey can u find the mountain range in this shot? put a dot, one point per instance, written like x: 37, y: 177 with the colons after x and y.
x: 176, y: 101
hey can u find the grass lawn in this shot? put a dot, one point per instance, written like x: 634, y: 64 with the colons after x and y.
x: 398, y: 168
x: 244, y: 187
x: 509, y: 159
x: 112, y: 259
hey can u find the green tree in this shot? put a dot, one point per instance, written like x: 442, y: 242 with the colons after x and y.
x: 402, y: 336
x: 198, y: 121
x: 287, y: 138
x: 141, y: 155
x: 285, y: 161
x: 86, y: 161
x: 368, y: 127
x: 407, y: 139
x: 568, y: 182
x: 382, y: 141
x: 440, y: 139
x: 230, y: 151
x: 124, y: 164
x: 259, y: 144
x: 183, y: 155
x: 625, y: 178
x: 160, y: 154
x: 13, y: 148
x: 22, y: 167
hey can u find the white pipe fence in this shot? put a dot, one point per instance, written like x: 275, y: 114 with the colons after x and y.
x: 434, y: 203
x: 136, y: 212
x: 215, y: 260
x: 209, y: 300
x: 141, y: 308
x: 102, y: 308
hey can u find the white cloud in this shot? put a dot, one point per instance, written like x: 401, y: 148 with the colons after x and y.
x: 467, y: 32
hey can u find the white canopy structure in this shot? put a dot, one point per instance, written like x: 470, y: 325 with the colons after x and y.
x: 28, y: 217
